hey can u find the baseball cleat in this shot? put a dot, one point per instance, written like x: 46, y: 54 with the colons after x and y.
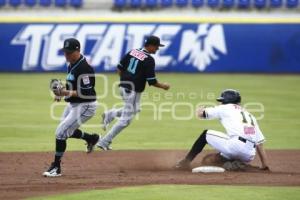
x: 105, y: 148
x: 53, y: 171
x: 91, y: 144
x: 105, y: 121
x: 102, y: 146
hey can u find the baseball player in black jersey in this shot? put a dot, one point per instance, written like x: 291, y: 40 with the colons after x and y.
x: 135, y: 69
x: 81, y: 97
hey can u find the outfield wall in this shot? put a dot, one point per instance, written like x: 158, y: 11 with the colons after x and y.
x: 192, y: 45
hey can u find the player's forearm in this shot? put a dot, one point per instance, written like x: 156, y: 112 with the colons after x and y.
x: 69, y: 93
x: 262, y: 155
x: 161, y: 85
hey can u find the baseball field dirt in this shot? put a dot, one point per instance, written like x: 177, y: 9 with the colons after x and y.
x: 21, y: 173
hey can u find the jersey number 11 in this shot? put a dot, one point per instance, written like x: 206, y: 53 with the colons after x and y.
x: 132, y: 65
x: 245, y: 120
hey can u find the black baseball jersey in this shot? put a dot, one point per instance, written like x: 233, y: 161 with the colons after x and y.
x: 81, y: 77
x: 137, y: 67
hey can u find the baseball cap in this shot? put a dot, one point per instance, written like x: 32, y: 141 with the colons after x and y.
x: 153, y: 40
x: 71, y: 45
x: 230, y: 96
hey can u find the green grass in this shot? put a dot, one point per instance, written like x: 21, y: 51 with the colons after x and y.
x: 26, y: 125
x: 186, y: 192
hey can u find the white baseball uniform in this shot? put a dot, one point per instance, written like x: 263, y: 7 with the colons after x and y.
x: 243, y: 132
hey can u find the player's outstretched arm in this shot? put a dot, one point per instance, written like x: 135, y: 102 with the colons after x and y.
x: 69, y: 93
x: 263, y: 157
x: 164, y: 86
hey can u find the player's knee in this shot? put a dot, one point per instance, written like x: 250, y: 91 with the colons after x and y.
x: 124, y: 123
x: 60, y: 133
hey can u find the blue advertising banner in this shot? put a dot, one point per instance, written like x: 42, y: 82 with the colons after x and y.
x: 189, y: 47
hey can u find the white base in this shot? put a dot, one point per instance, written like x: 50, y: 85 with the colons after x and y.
x: 208, y: 169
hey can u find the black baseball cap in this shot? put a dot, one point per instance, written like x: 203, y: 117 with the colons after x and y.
x: 71, y: 45
x: 230, y: 96
x: 153, y: 40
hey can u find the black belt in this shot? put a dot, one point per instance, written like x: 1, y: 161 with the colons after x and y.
x: 245, y: 140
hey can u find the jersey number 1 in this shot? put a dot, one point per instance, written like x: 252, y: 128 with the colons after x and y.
x: 132, y: 65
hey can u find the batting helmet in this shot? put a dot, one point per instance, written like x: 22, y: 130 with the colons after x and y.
x: 230, y: 96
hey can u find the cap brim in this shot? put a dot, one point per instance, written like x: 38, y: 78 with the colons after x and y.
x: 220, y: 99
x: 161, y: 45
x: 67, y: 50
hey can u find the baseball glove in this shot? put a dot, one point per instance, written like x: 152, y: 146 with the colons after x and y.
x: 56, y: 86
x: 234, y: 165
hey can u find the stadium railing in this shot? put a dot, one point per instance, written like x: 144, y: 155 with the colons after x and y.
x: 41, y: 3
x: 258, y: 4
x: 153, y: 4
